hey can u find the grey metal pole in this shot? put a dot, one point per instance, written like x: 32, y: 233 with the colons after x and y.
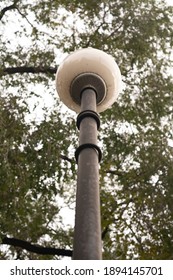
x: 87, y: 236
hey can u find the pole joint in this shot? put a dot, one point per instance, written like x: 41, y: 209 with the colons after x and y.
x: 86, y: 146
x: 88, y: 113
x: 80, y: 117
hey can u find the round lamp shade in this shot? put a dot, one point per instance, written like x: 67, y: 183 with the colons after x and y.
x: 88, y: 61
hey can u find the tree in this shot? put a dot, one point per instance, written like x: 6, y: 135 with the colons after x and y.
x: 38, y: 170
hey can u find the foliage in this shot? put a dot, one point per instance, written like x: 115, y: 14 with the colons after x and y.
x: 37, y: 167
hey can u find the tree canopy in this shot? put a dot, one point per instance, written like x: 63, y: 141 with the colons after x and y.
x: 38, y: 134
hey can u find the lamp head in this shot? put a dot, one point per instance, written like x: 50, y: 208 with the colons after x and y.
x: 91, y: 68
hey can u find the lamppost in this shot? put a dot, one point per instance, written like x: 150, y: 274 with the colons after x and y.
x: 88, y: 82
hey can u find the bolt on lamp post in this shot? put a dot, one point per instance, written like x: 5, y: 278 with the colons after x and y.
x: 88, y: 81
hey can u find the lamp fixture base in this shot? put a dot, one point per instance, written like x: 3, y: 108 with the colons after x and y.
x: 88, y: 80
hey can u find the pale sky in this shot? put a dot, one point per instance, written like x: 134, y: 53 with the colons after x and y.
x: 170, y: 2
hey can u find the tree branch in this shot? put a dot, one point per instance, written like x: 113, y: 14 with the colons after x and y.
x: 36, y: 248
x: 105, y: 231
x: 66, y: 158
x: 25, y: 17
x: 27, y: 69
x: 8, y: 8
x: 3, y: 11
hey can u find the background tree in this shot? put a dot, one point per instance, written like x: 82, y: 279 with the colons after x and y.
x: 38, y: 134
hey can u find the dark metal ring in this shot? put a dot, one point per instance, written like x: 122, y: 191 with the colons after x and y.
x: 88, y: 113
x: 85, y: 146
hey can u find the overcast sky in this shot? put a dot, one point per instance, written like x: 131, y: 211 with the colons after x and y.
x: 170, y: 2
